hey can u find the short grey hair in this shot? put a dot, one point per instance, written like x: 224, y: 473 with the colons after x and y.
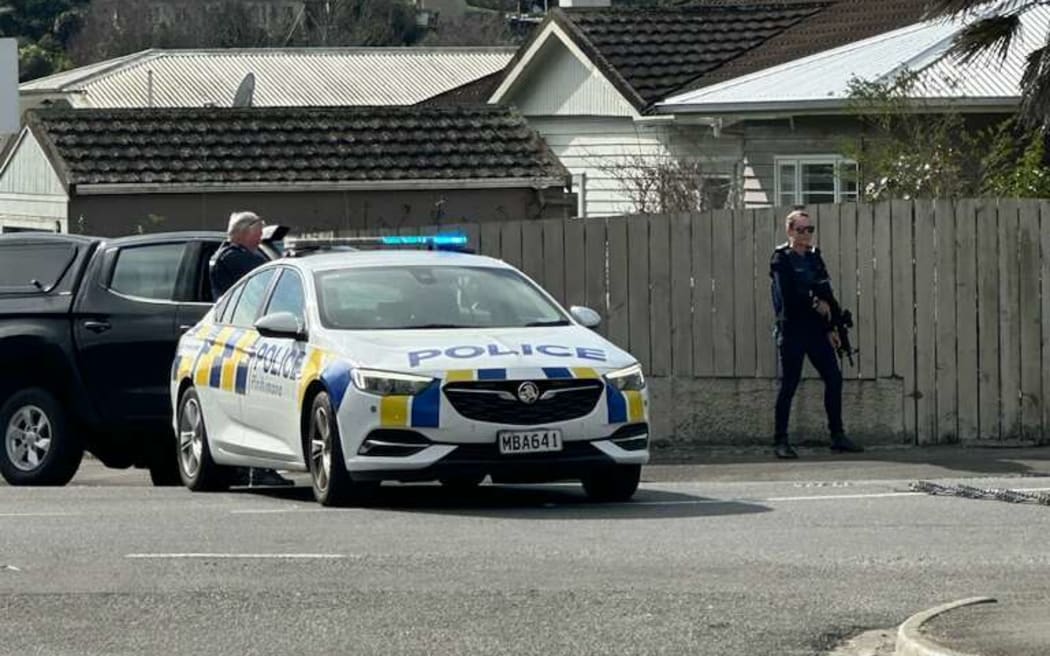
x: 241, y: 221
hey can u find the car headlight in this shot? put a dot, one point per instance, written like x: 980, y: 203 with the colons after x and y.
x: 389, y: 383
x: 628, y: 379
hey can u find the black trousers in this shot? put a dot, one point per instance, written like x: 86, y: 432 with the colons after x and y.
x: 794, y: 345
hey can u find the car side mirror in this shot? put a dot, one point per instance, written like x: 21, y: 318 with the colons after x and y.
x: 586, y: 316
x: 280, y: 324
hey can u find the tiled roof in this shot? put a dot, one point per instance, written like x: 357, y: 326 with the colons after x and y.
x: 822, y: 80
x: 654, y: 51
x: 284, y: 77
x: 330, y: 146
x: 474, y: 92
x: 841, y: 23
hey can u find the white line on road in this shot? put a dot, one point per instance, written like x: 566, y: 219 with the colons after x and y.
x: 275, y: 511
x: 42, y: 514
x: 827, y: 497
x: 275, y: 556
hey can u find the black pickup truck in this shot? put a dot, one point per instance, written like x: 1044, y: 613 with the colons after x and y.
x: 88, y: 328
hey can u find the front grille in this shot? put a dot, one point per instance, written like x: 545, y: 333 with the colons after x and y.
x: 496, y: 401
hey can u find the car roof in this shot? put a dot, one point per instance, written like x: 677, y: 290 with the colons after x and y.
x: 36, y: 237
x: 158, y: 237
x: 372, y: 258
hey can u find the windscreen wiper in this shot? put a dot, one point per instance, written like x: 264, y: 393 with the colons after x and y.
x: 543, y: 324
x: 429, y: 326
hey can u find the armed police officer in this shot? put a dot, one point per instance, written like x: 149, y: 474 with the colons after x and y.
x: 235, y: 258
x: 803, y: 302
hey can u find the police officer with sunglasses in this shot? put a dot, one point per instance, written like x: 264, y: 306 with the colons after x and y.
x: 801, y: 291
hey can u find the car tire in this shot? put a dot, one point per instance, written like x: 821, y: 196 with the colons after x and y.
x: 331, y: 482
x: 39, y: 447
x: 164, y: 461
x: 197, y: 470
x: 461, y: 484
x: 616, y: 483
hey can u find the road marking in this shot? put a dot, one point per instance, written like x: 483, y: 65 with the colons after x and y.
x: 42, y: 514
x: 274, y: 556
x: 275, y: 511
x: 827, y: 497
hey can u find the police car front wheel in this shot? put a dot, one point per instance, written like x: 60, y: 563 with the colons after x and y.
x: 616, y: 483
x: 332, y: 483
x: 39, y: 446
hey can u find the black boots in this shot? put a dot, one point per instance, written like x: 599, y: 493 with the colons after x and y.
x: 842, y: 444
x: 839, y: 444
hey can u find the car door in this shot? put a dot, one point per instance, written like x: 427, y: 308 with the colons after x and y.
x: 254, y: 383
x: 194, y: 288
x: 126, y: 333
x: 271, y: 406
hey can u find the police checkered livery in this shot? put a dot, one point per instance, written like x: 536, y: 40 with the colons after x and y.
x: 411, y: 401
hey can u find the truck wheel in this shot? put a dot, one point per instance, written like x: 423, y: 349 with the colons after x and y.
x: 617, y: 483
x: 332, y: 483
x: 198, y: 471
x: 39, y: 447
x: 164, y: 461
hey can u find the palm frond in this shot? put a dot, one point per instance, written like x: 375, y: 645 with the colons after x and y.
x: 993, y: 33
x: 1035, y: 88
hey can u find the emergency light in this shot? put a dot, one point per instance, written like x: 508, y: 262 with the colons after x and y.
x: 450, y: 241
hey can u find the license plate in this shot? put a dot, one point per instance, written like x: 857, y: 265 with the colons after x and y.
x: 538, y: 441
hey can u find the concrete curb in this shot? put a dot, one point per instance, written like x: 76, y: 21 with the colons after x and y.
x: 911, y: 642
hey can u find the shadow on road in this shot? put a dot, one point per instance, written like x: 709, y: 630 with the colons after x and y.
x: 534, y: 502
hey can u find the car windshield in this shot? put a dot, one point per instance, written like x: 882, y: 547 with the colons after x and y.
x: 420, y: 297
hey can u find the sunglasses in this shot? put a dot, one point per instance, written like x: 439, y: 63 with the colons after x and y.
x: 809, y: 229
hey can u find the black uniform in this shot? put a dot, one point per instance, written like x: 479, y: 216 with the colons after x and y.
x: 801, y: 331
x: 229, y: 264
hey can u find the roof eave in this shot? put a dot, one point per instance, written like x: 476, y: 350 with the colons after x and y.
x: 836, y: 105
x: 466, y: 184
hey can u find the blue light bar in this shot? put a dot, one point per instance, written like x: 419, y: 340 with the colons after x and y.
x: 450, y: 241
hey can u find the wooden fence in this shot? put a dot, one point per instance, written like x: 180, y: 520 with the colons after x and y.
x: 950, y: 297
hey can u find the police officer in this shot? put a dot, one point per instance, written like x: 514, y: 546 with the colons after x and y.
x: 239, y: 254
x: 802, y: 300
x: 236, y: 257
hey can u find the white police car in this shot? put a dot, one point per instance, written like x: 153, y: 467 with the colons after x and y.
x: 367, y: 365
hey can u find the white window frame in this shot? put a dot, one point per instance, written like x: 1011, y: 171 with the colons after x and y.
x: 838, y: 161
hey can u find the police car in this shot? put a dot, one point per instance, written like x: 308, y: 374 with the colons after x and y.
x: 361, y: 366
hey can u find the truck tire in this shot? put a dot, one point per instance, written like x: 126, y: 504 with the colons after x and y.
x: 39, y: 448
x: 164, y: 461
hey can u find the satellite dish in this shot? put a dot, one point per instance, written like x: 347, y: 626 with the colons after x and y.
x: 243, y: 97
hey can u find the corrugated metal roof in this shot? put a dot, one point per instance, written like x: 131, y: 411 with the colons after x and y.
x: 283, y: 77
x: 823, y: 80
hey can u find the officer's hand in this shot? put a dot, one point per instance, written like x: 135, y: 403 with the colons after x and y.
x: 824, y: 309
x: 835, y: 341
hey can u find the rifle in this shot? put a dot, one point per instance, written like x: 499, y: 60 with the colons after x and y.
x: 840, y: 321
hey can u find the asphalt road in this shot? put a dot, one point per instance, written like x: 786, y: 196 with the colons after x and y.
x: 743, y: 557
